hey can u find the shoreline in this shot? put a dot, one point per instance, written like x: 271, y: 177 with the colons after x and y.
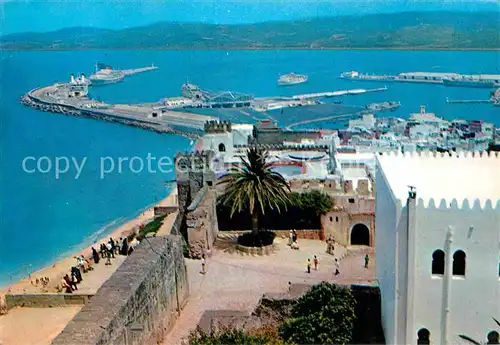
x: 59, y: 266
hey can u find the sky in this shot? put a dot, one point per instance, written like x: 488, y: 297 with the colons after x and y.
x: 49, y: 15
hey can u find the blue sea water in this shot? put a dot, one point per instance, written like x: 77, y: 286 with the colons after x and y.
x: 43, y: 218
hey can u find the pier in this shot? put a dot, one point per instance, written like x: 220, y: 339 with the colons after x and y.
x: 339, y: 93
x: 55, y: 99
x: 127, y: 72
x: 468, y: 101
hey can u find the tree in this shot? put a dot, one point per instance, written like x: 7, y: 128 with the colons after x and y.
x: 324, y: 315
x: 254, y: 185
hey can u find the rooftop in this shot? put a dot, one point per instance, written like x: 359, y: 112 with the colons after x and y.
x: 439, y: 177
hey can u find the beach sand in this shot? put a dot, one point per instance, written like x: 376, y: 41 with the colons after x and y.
x: 57, y: 271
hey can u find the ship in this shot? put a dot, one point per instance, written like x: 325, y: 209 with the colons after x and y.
x: 106, y: 75
x: 470, y: 82
x: 292, y: 79
x: 385, y: 106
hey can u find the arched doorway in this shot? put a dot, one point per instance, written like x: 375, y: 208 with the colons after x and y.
x: 360, y: 235
x: 222, y: 147
x: 423, y: 337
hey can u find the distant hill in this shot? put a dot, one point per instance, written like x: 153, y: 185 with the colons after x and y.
x: 421, y: 30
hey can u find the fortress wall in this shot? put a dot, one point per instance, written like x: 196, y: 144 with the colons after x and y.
x: 139, y: 303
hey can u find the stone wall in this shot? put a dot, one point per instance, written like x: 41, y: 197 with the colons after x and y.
x: 138, y: 303
x: 45, y: 300
x: 201, y: 223
x: 165, y: 210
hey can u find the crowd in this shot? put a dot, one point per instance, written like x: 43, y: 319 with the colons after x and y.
x: 107, y: 251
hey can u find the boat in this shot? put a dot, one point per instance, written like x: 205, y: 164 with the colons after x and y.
x: 292, y: 79
x: 470, y: 82
x: 106, y: 75
x: 383, y: 106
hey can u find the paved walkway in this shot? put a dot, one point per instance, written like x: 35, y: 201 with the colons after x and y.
x: 237, y: 281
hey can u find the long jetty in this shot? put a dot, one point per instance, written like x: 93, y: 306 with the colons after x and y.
x: 138, y: 70
x: 145, y: 117
x: 339, y: 93
x: 327, y: 118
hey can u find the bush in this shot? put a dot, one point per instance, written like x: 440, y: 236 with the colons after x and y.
x: 260, y: 239
x: 261, y: 336
x: 324, y: 315
x: 152, y: 226
x: 303, y: 211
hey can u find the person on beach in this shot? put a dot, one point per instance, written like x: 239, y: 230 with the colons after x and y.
x: 95, y: 255
x: 108, y: 257
x: 111, y: 247
x: 316, y: 262
x: 66, y: 284
x: 367, y: 260
x: 117, y: 246
x: 203, y: 264
x: 308, y: 265
x: 124, y: 249
x: 337, y: 267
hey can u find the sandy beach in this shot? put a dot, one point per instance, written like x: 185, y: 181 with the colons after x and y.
x: 57, y: 270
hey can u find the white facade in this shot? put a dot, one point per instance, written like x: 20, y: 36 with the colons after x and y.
x: 221, y: 143
x: 457, y: 211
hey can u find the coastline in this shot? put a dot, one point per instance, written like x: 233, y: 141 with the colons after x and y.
x: 58, y: 267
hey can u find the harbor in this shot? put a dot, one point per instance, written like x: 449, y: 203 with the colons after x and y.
x: 183, y: 115
x: 447, y: 79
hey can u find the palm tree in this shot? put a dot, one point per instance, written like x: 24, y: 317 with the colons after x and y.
x: 254, y: 185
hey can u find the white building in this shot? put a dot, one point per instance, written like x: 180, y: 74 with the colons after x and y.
x: 438, y: 248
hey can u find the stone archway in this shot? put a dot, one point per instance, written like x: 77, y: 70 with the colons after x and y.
x: 360, y: 235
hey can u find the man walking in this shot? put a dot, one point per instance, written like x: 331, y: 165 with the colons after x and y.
x: 367, y: 259
x: 308, y: 265
x: 316, y: 261
x: 337, y: 267
x: 203, y: 264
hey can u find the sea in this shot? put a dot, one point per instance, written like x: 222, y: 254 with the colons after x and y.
x: 45, y: 216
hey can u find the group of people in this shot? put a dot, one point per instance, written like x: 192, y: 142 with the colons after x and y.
x: 44, y: 281
x: 107, y: 251
x: 336, y: 265
x: 292, y: 240
x: 330, y: 245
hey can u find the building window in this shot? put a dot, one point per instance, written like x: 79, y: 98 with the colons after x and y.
x: 337, y: 219
x: 331, y: 219
x: 459, y: 259
x: 351, y: 200
x: 438, y: 262
x: 423, y: 337
x: 493, y: 338
x: 222, y: 147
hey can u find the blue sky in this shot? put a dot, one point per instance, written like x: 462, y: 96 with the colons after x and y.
x: 48, y: 15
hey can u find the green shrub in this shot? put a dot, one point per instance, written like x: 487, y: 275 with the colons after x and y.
x: 324, y: 315
x: 261, y: 336
x: 259, y: 239
x: 152, y: 226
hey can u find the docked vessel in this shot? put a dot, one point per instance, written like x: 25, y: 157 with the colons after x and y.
x: 385, y: 106
x: 292, y: 79
x: 470, y: 82
x: 106, y: 75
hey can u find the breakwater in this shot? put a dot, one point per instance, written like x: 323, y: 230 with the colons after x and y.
x: 32, y: 100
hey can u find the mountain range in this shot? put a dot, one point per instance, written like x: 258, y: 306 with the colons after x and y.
x: 416, y: 30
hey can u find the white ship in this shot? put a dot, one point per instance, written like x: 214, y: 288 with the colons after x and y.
x: 106, y: 75
x: 292, y: 79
